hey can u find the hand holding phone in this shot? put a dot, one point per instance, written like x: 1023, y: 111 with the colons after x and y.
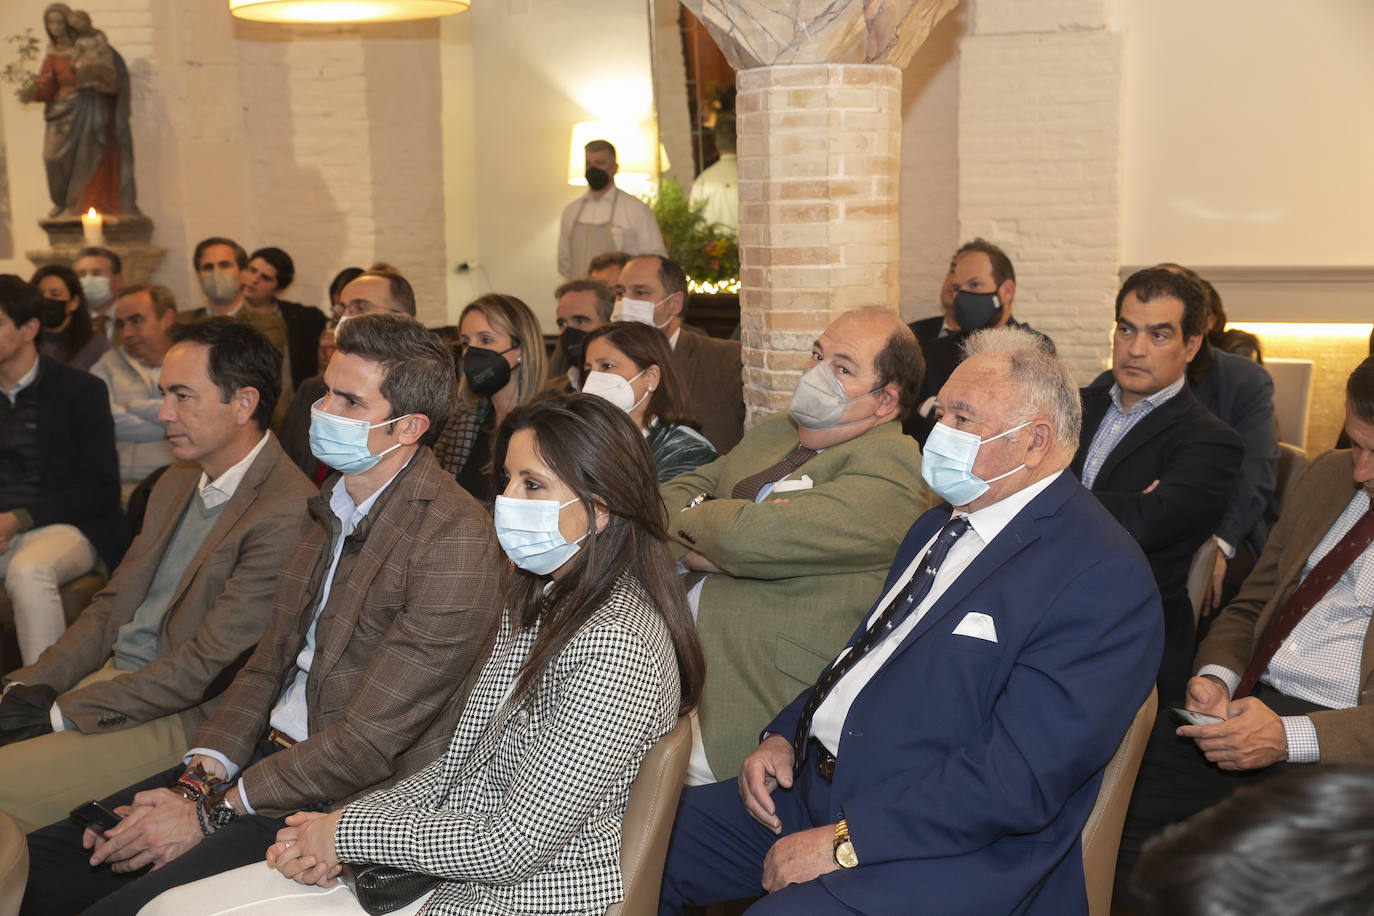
x: 95, y: 816
x: 1193, y: 717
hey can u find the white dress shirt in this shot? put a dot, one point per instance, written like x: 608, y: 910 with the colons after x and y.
x: 984, y: 525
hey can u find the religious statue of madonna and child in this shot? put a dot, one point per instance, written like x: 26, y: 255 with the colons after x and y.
x: 87, y: 147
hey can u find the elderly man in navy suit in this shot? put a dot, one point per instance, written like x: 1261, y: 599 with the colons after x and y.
x: 947, y: 760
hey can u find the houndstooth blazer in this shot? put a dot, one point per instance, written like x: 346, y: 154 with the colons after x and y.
x: 523, y: 813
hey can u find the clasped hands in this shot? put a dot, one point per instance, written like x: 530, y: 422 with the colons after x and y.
x: 1251, y: 737
x: 797, y: 857
x: 159, y: 826
x: 304, y: 851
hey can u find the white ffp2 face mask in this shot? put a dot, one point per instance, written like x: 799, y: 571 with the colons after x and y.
x: 613, y: 388
x: 642, y: 311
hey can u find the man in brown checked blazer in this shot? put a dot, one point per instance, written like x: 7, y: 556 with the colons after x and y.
x: 382, y: 612
x: 143, y: 666
x: 1289, y: 663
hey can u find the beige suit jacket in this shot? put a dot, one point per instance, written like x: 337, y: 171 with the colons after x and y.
x: 218, y: 610
x: 1318, y: 499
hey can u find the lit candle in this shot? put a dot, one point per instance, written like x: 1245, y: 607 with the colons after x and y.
x: 92, y: 225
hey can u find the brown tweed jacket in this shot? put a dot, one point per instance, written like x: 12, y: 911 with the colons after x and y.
x: 713, y: 371
x: 1316, y: 501
x: 217, y: 613
x: 411, y: 615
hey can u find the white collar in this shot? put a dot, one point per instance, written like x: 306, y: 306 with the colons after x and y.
x: 218, y: 491
x: 348, y: 512
x: 990, y: 520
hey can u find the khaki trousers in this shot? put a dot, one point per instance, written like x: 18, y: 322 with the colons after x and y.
x: 45, y: 777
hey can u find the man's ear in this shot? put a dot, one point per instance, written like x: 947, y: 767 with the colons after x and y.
x: 1006, y: 292
x: 677, y: 302
x: 1191, y: 346
x: 1041, y: 442
x: 410, y: 430
x: 245, y: 402
x: 889, y: 401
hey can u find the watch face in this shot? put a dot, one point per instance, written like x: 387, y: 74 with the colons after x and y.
x: 844, y: 855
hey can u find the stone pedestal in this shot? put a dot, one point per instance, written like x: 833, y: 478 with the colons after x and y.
x: 819, y: 160
x: 129, y: 237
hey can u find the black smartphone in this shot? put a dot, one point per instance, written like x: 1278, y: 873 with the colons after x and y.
x: 95, y: 816
x: 1192, y: 717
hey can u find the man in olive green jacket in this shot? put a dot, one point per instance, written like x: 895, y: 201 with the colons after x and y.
x: 788, y: 537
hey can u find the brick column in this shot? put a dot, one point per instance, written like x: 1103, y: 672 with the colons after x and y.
x: 818, y: 167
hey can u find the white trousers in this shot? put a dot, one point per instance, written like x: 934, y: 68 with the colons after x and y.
x: 260, y: 890
x: 36, y: 564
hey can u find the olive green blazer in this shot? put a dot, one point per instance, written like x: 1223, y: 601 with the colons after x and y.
x: 798, y: 574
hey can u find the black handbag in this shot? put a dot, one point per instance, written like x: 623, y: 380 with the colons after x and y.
x: 383, y: 889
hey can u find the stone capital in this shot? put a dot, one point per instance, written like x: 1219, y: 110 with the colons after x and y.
x: 763, y: 33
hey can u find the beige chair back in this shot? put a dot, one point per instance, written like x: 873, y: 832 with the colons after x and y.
x: 14, y: 865
x: 1292, y: 462
x: 649, y: 820
x: 1200, y: 575
x: 1102, y: 832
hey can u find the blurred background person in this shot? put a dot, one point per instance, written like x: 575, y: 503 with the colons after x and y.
x: 501, y: 367
x: 68, y: 335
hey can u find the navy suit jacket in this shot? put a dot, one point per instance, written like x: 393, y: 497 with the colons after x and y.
x: 1196, y: 459
x: 967, y: 768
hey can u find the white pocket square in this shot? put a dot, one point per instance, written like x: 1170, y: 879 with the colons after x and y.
x: 979, y: 626
x: 789, y: 486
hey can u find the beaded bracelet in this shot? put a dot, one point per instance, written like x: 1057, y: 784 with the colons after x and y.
x: 196, y: 782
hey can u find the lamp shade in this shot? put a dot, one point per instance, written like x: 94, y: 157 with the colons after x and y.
x: 344, y: 10
x: 636, y: 146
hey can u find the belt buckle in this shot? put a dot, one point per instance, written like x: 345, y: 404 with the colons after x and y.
x: 279, y: 739
x: 825, y: 764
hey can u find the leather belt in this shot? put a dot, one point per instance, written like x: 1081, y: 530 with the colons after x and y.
x: 279, y: 738
x: 825, y: 761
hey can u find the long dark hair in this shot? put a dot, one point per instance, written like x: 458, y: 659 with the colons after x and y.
x: 597, y: 452
x: 79, y: 330
x: 646, y: 346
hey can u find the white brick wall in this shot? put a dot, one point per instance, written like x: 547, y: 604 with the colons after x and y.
x: 1040, y: 90
x: 324, y: 142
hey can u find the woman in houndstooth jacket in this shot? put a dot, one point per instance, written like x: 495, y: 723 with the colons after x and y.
x: 595, y: 661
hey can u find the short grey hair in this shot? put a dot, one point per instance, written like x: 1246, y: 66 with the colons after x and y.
x: 1046, y: 388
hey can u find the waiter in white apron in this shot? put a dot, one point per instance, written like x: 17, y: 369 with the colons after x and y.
x: 605, y: 218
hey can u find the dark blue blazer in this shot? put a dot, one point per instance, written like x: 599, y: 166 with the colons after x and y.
x: 967, y: 768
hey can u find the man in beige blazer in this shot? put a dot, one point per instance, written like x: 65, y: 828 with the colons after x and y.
x: 127, y: 685
x: 1311, y: 700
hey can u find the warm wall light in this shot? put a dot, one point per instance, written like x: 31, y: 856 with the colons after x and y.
x: 344, y: 10
x: 635, y: 148
x: 1291, y: 329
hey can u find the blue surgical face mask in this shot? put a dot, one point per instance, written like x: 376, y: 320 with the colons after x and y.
x: 341, y: 443
x: 97, y: 290
x: 528, y: 532
x: 947, y: 463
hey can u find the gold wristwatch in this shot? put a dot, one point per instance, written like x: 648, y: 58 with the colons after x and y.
x: 844, y: 849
